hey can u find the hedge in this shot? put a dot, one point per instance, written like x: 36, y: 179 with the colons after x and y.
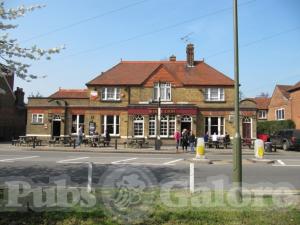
x: 270, y: 127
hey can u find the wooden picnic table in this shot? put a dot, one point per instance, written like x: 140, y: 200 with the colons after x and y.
x: 27, y: 140
x: 136, y: 142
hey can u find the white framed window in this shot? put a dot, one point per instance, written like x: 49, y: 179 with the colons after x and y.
x: 262, y: 114
x: 110, y: 123
x: 164, y: 91
x: 279, y: 113
x: 167, y: 125
x: 37, y: 118
x: 214, y: 94
x: 77, y: 121
x: 215, y: 125
x: 138, y: 126
x: 110, y: 94
x: 152, y: 125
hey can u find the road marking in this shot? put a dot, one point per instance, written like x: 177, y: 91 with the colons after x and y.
x: 281, y: 162
x: 68, y: 160
x: 285, y: 165
x: 13, y: 159
x: 173, y: 161
x: 123, y: 160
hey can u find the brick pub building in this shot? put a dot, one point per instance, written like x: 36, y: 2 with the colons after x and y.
x: 124, y: 101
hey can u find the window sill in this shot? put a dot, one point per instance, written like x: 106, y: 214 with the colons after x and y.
x: 111, y: 101
x: 215, y: 101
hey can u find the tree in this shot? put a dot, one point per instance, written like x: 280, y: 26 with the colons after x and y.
x: 12, y: 55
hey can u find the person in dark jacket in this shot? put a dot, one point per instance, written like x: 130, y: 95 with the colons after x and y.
x: 185, y: 140
x: 192, y: 142
x: 107, y: 138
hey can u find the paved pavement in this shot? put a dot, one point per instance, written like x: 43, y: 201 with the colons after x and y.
x: 43, y: 166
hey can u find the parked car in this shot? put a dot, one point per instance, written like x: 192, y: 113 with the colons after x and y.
x: 286, y: 139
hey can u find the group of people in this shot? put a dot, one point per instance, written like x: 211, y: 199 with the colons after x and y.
x: 96, y: 134
x: 185, y: 139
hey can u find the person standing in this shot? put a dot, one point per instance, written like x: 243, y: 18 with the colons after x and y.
x: 107, y: 138
x: 192, y: 141
x: 177, y: 137
x: 185, y: 140
x: 215, y: 140
x: 80, y: 135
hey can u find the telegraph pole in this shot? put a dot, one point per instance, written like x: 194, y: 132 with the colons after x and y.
x: 157, y: 140
x: 237, y: 151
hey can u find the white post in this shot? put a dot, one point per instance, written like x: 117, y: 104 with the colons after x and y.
x: 90, y: 171
x: 192, y: 183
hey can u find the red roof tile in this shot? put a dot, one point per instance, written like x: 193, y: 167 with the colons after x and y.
x: 284, y: 90
x: 136, y: 72
x: 295, y: 87
x: 262, y: 102
x: 70, y: 93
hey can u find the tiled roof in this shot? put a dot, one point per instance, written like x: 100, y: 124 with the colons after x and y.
x: 284, y: 90
x: 295, y: 87
x: 136, y: 72
x: 262, y: 102
x: 70, y: 93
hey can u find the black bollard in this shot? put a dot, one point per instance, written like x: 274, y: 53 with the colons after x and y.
x: 33, y: 143
x: 116, y: 144
x: 74, y: 143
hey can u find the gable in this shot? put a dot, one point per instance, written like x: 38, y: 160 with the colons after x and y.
x: 163, y: 75
x: 277, y: 98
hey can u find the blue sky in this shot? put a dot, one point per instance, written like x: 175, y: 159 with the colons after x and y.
x: 269, y: 38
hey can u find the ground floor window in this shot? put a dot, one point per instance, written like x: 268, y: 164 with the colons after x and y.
x: 77, y: 121
x: 110, y: 123
x: 214, y: 125
x: 167, y: 125
x: 280, y: 114
x: 138, y: 126
x: 37, y: 118
x: 152, y: 125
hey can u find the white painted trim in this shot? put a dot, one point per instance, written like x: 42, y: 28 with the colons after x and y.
x: 38, y: 135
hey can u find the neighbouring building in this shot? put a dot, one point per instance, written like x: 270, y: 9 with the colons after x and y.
x: 262, y: 104
x: 285, y: 103
x: 12, y: 107
x: 124, y: 101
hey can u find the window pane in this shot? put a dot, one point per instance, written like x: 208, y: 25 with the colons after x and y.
x: 164, y: 128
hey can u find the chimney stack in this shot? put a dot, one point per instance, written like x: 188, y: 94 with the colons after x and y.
x: 190, y: 55
x: 172, y: 58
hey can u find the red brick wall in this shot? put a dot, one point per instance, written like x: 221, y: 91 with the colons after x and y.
x: 295, y: 107
x: 279, y: 101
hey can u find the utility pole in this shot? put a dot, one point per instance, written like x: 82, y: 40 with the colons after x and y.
x: 157, y: 140
x: 237, y: 151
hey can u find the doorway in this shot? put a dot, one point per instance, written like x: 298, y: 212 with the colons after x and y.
x: 186, y: 123
x: 247, y: 127
x: 56, y: 124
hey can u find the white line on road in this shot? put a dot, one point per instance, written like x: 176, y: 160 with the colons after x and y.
x: 285, y: 165
x: 173, y: 161
x: 123, y: 160
x: 13, y: 159
x: 281, y: 162
x: 74, y: 159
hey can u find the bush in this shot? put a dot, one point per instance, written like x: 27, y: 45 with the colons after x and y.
x: 270, y: 127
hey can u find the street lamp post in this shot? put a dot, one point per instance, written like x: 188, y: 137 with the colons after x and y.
x: 237, y: 153
x: 157, y: 140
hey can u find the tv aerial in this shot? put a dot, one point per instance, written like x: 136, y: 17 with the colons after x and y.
x: 187, y: 38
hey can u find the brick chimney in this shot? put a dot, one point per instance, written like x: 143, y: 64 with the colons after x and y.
x: 190, y: 55
x: 19, y: 93
x: 172, y: 58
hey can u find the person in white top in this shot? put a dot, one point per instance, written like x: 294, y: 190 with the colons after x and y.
x: 215, y: 140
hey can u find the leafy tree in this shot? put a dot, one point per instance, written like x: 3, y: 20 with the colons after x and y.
x: 270, y: 127
x: 12, y: 55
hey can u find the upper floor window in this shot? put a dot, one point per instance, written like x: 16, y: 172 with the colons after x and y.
x: 110, y: 94
x: 214, y: 94
x: 37, y: 118
x: 262, y: 114
x: 162, y: 90
x: 279, y: 114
